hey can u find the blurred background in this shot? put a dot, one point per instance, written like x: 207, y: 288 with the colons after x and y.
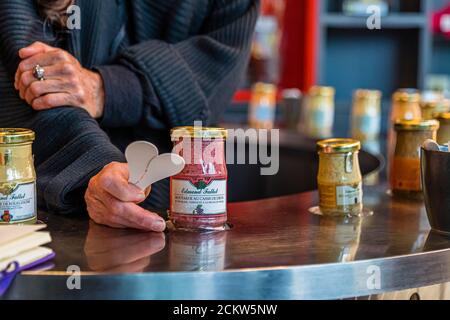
x: 301, y: 44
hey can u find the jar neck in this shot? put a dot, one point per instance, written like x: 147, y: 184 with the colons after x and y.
x: 9, y: 153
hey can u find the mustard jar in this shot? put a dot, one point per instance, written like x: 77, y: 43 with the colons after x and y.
x: 17, y: 177
x: 339, y: 178
x: 405, y: 166
x: 366, y: 115
x: 319, y: 112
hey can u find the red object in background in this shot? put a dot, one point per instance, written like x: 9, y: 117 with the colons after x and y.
x: 441, y: 26
x: 298, y: 47
x: 299, y: 44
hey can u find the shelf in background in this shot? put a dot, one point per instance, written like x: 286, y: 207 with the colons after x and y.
x: 392, y: 21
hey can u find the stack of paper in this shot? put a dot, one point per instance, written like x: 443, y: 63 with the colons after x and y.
x: 23, y: 244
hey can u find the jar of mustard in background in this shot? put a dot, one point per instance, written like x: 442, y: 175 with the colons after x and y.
x: 339, y: 179
x: 405, y: 105
x: 433, y: 107
x: 443, y: 135
x: 319, y: 112
x: 405, y: 171
x: 17, y: 177
x: 366, y: 115
x: 263, y: 105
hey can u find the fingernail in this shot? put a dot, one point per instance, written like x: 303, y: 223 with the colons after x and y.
x: 141, y: 196
x: 159, y: 225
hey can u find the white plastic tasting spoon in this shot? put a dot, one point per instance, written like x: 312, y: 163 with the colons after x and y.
x: 431, y: 145
x: 139, y: 154
x: 161, y: 167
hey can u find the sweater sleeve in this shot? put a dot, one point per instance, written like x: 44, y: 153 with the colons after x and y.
x: 196, y: 78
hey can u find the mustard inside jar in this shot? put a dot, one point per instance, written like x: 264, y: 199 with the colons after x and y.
x: 17, y: 177
x: 339, y: 178
x: 405, y: 171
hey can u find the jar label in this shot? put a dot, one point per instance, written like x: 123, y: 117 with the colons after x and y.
x: 198, y: 198
x: 349, y: 195
x: 322, y: 118
x: 17, y: 202
x: 368, y: 124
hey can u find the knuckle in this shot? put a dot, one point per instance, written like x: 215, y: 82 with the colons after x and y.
x: 24, y: 80
x: 116, y: 209
x: 107, y: 180
x: 68, y: 68
x: 35, y: 88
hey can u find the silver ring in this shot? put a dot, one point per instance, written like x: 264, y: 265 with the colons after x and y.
x: 39, y: 72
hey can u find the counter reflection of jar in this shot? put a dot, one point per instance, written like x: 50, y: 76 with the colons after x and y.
x: 17, y: 177
x: 339, y: 178
x: 405, y: 171
x: 319, y: 112
x: 197, y: 251
x: 198, y: 194
x: 443, y: 135
x: 263, y: 106
x: 366, y: 115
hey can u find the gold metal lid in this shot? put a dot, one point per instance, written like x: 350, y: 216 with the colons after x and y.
x: 338, y: 145
x: 442, y: 116
x: 367, y: 94
x: 432, y: 104
x: 264, y: 88
x: 416, y: 125
x: 322, y: 91
x: 198, y: 132
x: 406, y: 95
x: 16, y: 135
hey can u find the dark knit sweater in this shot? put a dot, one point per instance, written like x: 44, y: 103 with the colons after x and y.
x: 164, y: 63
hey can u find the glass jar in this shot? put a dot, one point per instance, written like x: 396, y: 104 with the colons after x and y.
x: 319, y: 112
x: 366, y: 115
x: 339, y: 179
x: 443, y: 135
x: 198, y: 194
x: 433, y: 103
x: 405, y: 171
x: 263, y: 106
x: 17, y: 177
x: 405, y: 105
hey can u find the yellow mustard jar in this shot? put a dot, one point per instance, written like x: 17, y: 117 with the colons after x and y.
x: 339, y: 178
x: 405, y: 167
x: 17, y: 177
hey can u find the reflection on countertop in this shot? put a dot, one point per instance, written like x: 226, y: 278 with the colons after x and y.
x: 266, y: 234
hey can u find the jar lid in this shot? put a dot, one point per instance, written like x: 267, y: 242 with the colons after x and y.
x: 416, y: 125
x: 442, y: 116
x: 338, y: 145
x: 264, y: 88
x: 16, y: 135
x: 431, y: 104
x: 406, y: 95
x: 322, y: 91
x: 368, y: 94
x: 198, y: 132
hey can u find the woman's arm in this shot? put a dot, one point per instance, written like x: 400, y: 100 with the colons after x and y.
x: 190, y: 80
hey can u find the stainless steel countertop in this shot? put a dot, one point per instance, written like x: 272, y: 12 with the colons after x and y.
x: 275, y: 250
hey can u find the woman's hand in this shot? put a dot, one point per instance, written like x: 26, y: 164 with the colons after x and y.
x: 66, y: 82
x: 112, y: 201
